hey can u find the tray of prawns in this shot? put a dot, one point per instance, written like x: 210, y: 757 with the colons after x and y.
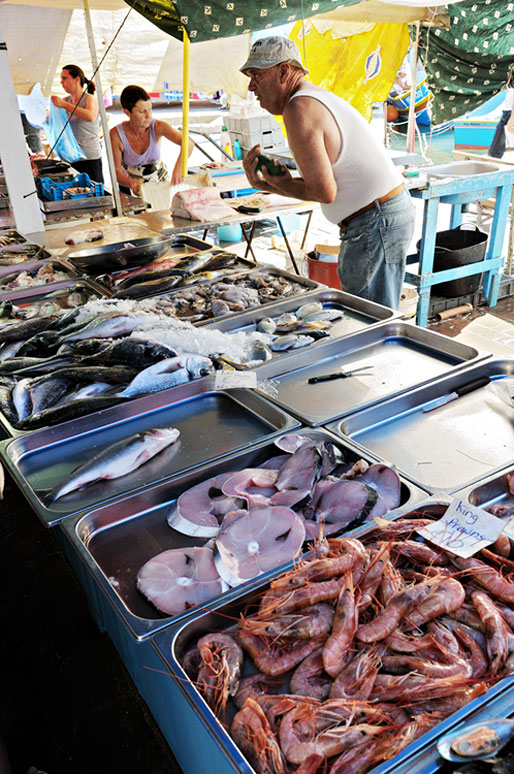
x: 359, y: 656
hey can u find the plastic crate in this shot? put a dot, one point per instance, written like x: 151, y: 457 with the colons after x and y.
x: 55, y: 192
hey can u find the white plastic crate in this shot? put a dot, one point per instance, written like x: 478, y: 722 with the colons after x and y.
x: 260, y: 129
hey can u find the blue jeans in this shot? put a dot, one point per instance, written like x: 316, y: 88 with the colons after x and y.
x: 374, y: 249
x: 497, y: 147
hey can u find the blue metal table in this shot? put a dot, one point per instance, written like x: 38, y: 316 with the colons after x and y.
x: 459, y: 191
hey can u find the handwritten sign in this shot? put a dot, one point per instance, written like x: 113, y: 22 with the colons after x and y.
x: 464, y: 529
x: 227, y: 380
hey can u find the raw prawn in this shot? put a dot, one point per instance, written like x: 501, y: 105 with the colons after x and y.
x: 400, y: 665
x: 256, y: 685
x: 332, y: 741
x: 335, y: 651
x: 447, y: 597
x: 308, y: 678
x: 388, y: 619
x: 273, y: 659
x: 349, y: 551
x: 252, y: 733
x: 408, y: 688
x: 372, y: 578
x: 477, y: 657
x: 218, y: 677
x: 487, y: 577
x: 420, y: 552
x: 496, y: 631
x: 298, y: 598
x: 310, y: 622
x: 356, y: 679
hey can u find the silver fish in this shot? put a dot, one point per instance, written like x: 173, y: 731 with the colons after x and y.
x: 290, y: 341
x: 112, y: 325
x: 119, y: 459
x: 160, y: 376
x: 21, y: 398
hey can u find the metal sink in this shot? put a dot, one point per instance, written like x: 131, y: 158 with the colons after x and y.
x: 461, y: 169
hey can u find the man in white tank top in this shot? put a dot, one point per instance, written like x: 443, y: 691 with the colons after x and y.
x: 342, y: 166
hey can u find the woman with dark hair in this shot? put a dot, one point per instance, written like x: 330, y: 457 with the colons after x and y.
x: 136, y: 143
x: 82, y: 105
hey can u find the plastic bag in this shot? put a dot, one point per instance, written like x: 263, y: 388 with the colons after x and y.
x: 67, y: 148
x: 504, y: 389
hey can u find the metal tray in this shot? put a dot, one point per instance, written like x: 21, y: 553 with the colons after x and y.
x: 242, y: 264
x: 71, y: 205
x: 447, y: 449
x: 402, y: 356
x: 132, y: 253
x: 358, y: 314
x: 212, y: 425
x: 15, y: 254
x: 190, y: 707
x: 493, y: 491
x: 32, y: 266
x: 12, y: 234
x: 116, y: 540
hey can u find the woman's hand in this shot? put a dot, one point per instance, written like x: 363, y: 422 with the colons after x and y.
x: 135, y: 186
x: 177, y: 177
x: 58, y: 102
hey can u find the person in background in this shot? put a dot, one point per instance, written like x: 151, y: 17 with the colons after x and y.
x: 499, y: 145
x: 342, y: 166
x: 84, y: 120
x: 136, y: 143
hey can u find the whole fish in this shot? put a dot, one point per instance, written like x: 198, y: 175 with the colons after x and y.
x: 148, y: 276
x: 26, y: 328
x: 97, y: 373
x: 153, y: 287
x: 45, y: 392
x: 168, y: 373
x: 112, y: 325
x: 119, y: 459
x: 21, y: 399
x: 6, y: 404
x: 137, y: 353
x: 67, y: 411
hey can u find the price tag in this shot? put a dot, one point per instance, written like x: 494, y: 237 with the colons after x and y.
x: 226, y: 380
x: 464, y: 529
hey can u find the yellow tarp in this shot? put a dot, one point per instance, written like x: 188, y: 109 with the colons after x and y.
x: 360, y: 68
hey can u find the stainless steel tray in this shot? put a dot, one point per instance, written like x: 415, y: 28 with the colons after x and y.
x: 493, y: 491
x: 447, y: 449
x: 12, y: 234
x: 132, y: 253
x: 70, y: 205
x: 212, y: 425
x: 358, y: 314
x: 33, y: 266
x: 115, y: 540
x: 242, y: 264
x: 15, y: 254
x: 402, y: 356
x: 172, y: 643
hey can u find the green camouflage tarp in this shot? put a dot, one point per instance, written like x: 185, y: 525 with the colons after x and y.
x: 470, y: 62
x: 222, y: 19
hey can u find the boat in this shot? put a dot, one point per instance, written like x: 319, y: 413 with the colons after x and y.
x: 476, y: 128
x: 422, y: 99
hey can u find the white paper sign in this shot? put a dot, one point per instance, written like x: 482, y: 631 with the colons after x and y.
x: 509, y: 528
x: 464, y: 529
x: 226, y: 380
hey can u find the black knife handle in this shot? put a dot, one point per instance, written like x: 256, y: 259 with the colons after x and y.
x: 325, y: 378
x: 474, y: 385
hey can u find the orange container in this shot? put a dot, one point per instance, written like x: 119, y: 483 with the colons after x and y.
x: 324, y: 271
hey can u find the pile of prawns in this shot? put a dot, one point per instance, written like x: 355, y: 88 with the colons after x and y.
x: 361, y: 648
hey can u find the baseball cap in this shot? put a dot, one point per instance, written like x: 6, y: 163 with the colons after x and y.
x: 268, y: 52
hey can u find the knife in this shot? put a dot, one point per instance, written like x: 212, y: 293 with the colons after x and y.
x: 457, y: 393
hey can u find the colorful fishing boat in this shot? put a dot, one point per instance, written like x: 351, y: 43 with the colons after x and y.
x: 422, y: 97
x: 476, y: 128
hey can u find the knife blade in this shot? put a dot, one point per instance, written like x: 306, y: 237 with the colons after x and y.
x: 458, y: 392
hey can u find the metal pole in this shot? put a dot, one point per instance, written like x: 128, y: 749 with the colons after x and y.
x: 15, y: 158
x: 101, y: 108
x: 185, y: 102
x: 412, y: 118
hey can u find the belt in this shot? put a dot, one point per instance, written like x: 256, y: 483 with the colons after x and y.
x: 385, y: 198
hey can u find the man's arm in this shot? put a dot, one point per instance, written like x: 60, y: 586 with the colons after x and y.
x: 306, y: 124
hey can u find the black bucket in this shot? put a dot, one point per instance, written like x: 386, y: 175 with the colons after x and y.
x: 458, y: 247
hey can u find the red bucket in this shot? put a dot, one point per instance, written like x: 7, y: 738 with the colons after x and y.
x: 324, y: 271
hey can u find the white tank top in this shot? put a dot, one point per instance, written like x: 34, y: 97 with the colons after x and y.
x: 363, y: 171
